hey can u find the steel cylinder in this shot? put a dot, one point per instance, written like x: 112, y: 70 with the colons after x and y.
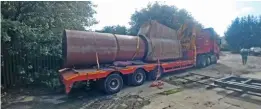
x: 163, y: 43
x: 81, y: 48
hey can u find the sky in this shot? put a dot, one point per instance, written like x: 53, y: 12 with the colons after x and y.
x: 211, y: 13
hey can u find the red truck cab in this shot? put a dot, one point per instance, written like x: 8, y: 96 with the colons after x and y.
x: 207, y: 47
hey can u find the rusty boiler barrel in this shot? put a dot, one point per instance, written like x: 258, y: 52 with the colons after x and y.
x: 163, y: 43
x: 80, y: 48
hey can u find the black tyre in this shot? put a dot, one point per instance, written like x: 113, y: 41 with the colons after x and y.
x: 112, y: 84
x: 153, y: 74
x: 203, y: 61
x: 198, y: 62
x: 208, y: 60
x: 214, y: 61
x: 138, y: 77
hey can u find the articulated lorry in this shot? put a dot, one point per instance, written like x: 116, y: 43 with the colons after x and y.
x: 111, y: 60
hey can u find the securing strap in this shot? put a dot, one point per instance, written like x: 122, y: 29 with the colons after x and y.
x: 137, y: 49
x: 97, y: 60
x: 117, y: 46
x: 96, y: 53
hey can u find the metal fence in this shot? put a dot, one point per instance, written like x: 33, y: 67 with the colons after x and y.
x: 9, y: 77
x: 17, y: 70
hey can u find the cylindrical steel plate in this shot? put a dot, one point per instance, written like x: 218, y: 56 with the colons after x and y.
x: 80, y: 48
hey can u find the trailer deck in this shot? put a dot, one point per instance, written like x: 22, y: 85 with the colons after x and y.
x: 70, y: 76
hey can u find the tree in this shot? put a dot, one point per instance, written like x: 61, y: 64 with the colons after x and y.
x: 230, y: 34
x: 32, y: 33
x: 244, y: 32
x: 114, y: 29
x: 167, y: 15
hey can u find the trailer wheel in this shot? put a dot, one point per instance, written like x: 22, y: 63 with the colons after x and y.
x: 138, y: 77
x: 153, y: 74
x: 112, y: 84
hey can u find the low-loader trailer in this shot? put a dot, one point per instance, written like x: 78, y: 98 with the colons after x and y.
x: 126, y: 59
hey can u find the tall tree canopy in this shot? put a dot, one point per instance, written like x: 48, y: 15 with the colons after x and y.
x: 170, y: 16
x: 31, y: 32
x: 244, y: 32
x: 114, y: 29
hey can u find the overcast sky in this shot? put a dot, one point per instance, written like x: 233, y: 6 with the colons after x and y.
x: 211, y: 13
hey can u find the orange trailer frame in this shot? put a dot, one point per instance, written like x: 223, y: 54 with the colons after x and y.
x: 71, y: 76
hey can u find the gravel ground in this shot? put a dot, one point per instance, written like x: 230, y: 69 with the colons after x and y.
x: 175, y: 94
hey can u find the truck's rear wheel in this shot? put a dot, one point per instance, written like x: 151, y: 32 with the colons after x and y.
x: 214, y: 61
x: 208, y: 59
x: 138, y: 77
x: 198, y: 62
x: 112, y: 84
x: 203, y: 61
